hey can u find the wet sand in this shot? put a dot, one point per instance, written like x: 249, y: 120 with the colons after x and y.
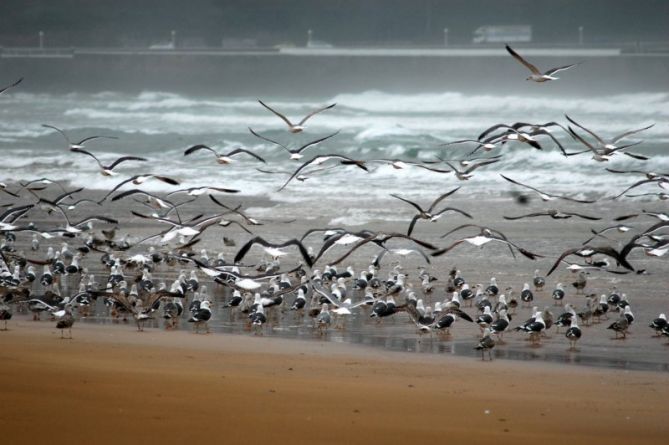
x: 112, y: 384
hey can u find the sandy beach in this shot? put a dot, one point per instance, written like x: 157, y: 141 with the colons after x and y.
x: 112, y: 384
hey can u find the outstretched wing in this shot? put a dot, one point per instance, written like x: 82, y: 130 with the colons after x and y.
x: 315, y: 112
x: 527, y: 64
x: 281, y: 116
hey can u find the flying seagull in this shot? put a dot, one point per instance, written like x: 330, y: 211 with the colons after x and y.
x: 225, y: 158
x: 74, y: 146
x: 318, y: 160
x: 430, y: 214
x: 547, y: 196
x: 295, y: 154
x: 293, y: 128
x: 553, y: 213
x: 538, y: 76
x: 107, y: 170
x: 273, y: 249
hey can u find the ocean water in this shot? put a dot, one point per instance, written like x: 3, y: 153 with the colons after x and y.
x: 371, y: 125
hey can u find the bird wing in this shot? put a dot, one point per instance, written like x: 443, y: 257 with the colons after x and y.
x: 309, y: 144
x: 473, y: 167
x: 628, y: 133
x: 412, y: 224
x: 269, y: 140
x: 281, y: 116
x: 561, y: 68
x: 197, y: 147
x: 411, y: 203
x: 248, y: 152
x: 11, y: 86
x: 529, y: 215
x: 67, y: 139
x: 592, y: 133
x: 80, y: 150
x: 441, y: 198
x: 527, y: 64
x: 124, y: 159
x: 90, y: 138
x: 315, y: 112
x: 591, y: 218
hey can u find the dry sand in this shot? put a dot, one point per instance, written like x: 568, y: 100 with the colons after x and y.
x: 112, y: 384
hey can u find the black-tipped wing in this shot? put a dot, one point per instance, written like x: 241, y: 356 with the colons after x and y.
x: 281, y: 116
x: 248, y: 152
x: 315, y: 112
x: 560, y: 68
x: 198, y: 147
x: 259, y: 240
x: 527, y: 64
x: 317, y: 141
x: 2, y: 90
x: 629, y: 133
x: 125, y: 159
x: 319, y: 160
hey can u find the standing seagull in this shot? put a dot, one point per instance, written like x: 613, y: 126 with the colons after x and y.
x: 300, y: 126
x: 573, y: 334
x: 538, y: 76
x: 66, y: 321
x: 486, y: 344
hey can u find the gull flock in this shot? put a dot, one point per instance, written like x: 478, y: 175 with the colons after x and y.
x: 62, y: 254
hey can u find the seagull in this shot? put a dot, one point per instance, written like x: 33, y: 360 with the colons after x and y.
x: 465, y: 174
x: 485, y: 236
x: 273, y: 249
x: 107, y: 170
x: 197, y: 191
x: 318, y: 160
x: 611, y: 144
x: 486, y: 344
x: 223, y: 159
x: 588, y: 252
x: 2, y: 90
x: 603, y: 154
x: 621, y: 228
x: 661, y: 182
x: 138, y: 180
x: 295, y: 154
x: 429, y: 214
x: 363, y: 238
x: 300, y: 125
x: 66, y: 320
x: 555, y: 214
x: 546, y: 196
x: 75, y: 227
x: 538, y: 76
x: 399, y: 164
x: 573, y: 334
x: 74, y: 146
x: 195, y: 227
